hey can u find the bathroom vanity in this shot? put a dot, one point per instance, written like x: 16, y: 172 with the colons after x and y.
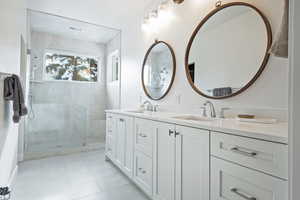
x: 187, y: 157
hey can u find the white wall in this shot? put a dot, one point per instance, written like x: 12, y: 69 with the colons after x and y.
x: 269, y: 93
x: 112, y: 87
x: 13, y: 24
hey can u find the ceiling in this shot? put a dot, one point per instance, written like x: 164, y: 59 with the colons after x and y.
x: 112, y: 13
x: 70, y: 28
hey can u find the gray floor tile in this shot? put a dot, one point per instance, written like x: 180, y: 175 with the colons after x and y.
x: 83, y: 176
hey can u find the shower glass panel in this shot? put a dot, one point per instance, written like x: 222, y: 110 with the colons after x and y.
x: 68, y: 89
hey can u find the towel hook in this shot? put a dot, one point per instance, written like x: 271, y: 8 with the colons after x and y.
x: 4, y: 75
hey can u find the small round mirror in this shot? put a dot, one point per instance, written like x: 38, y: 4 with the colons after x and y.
x: 228, y: 50
x: 158, y: 70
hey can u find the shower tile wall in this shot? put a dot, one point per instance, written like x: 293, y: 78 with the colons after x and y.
x: 66, y: 114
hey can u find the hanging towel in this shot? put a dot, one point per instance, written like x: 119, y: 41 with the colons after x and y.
x: 220, y: 92
x: 280, y: 47
x: 13, y: 92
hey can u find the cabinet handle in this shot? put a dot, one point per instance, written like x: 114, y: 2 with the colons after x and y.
x: 176, y: 133
x: 236, y: 191
x: 171, y: 132
x: 121, y: 120
x: 143, y: 135
x: 142, y: 170
x: 245, y: 153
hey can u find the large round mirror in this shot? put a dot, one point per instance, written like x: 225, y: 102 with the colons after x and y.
x: 158, y: 70
x: 228, y: 50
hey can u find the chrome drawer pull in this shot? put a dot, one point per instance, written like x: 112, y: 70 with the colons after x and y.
x: 245, y: 153
x: 143, y: 171
x: 143, y: 135
x: 235, y: 191
x: 171, y: 132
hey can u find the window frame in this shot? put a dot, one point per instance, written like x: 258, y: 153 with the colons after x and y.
x: 70, y: 53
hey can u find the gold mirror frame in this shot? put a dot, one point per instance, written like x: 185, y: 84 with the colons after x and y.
x: 173, y: 74
x: 205, y: 19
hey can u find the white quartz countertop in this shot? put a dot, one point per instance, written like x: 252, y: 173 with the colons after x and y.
x: 277, y: 132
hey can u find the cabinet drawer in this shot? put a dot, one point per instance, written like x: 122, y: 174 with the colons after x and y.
x: 144, y: 136
x: 143, y: 172
x: 234, y: 182
x: 271, y: 158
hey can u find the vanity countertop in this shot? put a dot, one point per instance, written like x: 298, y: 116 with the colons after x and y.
x: 277, y: 132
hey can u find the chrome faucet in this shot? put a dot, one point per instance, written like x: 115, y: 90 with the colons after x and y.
x: 149, y: 107
x: 211, y: 108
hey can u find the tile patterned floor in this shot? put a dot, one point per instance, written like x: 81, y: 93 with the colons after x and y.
x: 83, y: 176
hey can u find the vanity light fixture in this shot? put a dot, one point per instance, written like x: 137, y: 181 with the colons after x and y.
x: 158, y: 17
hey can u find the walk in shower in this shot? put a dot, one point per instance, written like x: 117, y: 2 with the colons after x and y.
x: 74, y: 76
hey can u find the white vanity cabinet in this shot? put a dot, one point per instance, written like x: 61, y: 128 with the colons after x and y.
x: 119, y: 142
x: 246, y: 168
x: 175, y: 161
x: 182, y: 163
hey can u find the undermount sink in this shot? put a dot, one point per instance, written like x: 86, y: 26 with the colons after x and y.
x: 193, y: 118
x: 136, y: 111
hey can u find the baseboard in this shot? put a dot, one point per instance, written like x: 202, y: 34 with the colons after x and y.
x: 13, y: 177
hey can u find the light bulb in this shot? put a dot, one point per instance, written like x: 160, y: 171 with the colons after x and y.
x: 145, y: 25
x: 153, y: 16
x: 165, y: 13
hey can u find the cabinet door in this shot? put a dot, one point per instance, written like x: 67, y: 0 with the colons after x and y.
x: 110, y: 136
x: 192, y: 164
x: 128, y: 151
x: 124, y: 144
x: 164, y: 161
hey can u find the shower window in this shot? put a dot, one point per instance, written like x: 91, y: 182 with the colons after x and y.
x: 70, y: 67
